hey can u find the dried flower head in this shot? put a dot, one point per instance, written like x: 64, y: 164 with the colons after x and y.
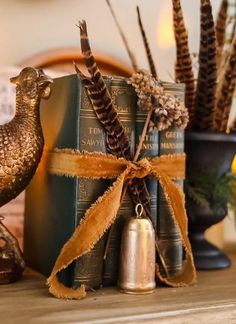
x: 167, y: 109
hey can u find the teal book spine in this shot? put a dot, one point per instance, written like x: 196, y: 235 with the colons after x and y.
x: 55, y: 205
x: 91, y: 138
x: 124, y: 101
x: 171, y: 141
x: 150, y: 148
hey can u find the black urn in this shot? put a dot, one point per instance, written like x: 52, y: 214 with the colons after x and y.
x: 207, y: 151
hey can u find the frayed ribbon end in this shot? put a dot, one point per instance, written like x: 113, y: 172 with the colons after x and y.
x: 58, y: 290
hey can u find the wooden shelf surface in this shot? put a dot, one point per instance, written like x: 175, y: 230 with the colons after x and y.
x: 211, y: 300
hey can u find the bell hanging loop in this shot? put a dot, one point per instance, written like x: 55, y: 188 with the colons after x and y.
x: 139, y: 210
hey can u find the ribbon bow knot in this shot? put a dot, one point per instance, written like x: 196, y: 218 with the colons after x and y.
x: 139, y: 169
x: 100, y: 216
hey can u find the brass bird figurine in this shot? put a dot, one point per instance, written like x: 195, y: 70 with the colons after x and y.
x: 21, y: 140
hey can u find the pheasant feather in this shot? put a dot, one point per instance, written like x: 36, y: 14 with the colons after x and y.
x: 221, y: 23
x: 206, y: 86
x: 233, y: 30
x: 226, y: 91
x: 147, y: 48
x: 183, y: 66
x: 117, y: 142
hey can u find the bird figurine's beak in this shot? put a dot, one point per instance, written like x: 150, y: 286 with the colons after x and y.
x: 14, y: 80
x: 45, y: 79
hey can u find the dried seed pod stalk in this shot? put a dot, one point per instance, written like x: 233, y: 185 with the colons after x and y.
x: 167, y: 110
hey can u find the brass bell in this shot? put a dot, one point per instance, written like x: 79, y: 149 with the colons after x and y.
x: 137, y: 256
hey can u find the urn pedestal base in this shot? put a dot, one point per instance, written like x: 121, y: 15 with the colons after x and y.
x: 206, y: 255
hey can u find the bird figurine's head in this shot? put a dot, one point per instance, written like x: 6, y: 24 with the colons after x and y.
x: 33, y: 83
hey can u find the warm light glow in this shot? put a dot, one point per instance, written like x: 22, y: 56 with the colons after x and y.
x: 165, y: 35
x: 234, y: 165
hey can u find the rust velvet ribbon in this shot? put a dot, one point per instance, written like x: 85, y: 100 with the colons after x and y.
x: 99, y: 217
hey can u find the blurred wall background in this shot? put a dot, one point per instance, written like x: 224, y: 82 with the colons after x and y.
x: 32, y: 26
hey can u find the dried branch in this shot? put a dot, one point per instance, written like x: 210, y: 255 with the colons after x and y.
x: 131, y: 55
x: 147, y: 48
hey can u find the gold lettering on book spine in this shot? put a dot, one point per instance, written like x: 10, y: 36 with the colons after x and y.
x: 88, y: 269
x: 171, y: 142
x: 115, y: 95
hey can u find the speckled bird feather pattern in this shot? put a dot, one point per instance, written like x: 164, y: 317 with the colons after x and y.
x: 117, y: 142
x: 207, y: 76
x: 21, y: 140
x: 225, y: 91
x: 183, y: 65
x: 221, y: 24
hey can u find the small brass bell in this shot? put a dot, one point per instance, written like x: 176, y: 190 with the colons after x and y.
x: 137, y: 256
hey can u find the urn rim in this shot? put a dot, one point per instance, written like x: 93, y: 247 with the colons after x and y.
x: 210, y: 136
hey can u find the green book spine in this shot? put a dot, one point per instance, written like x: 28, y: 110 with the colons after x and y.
x: 124, y: 100
x: 150, y: 148
x: 91, y: 138
x: 55, y: 205
x: 171, y: 141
